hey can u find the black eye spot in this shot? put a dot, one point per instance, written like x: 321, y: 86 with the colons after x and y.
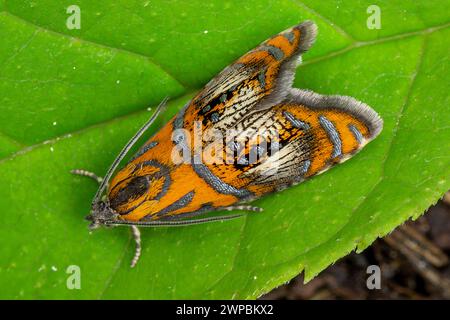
x: 134, y: 189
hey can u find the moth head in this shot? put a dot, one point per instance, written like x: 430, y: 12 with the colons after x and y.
x: 101, y: 215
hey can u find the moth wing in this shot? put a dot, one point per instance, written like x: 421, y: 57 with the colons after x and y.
x: 315, y: 133
x: 258, y: 80
x: 309, y: 133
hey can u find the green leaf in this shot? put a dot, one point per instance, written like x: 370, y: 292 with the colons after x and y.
x: 71, y: 99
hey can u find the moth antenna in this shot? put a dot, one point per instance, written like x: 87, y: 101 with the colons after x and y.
x: 175, y: 222
x: 127, y: 148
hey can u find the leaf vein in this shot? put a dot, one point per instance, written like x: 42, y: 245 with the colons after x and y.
x: 126, y: 51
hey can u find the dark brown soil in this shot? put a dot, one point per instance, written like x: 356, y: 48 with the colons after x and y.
x: 413, y: 261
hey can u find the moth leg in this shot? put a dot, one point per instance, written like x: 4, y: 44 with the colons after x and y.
x: 137, y: 239
x: 89, y: 174
x: 244, y: 208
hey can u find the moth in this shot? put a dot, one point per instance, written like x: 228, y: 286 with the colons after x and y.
x: 299, y: 133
